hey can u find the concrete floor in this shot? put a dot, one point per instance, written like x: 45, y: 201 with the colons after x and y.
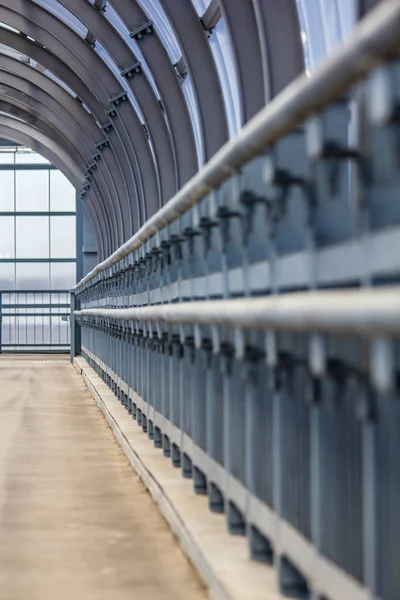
x: 76, y: 522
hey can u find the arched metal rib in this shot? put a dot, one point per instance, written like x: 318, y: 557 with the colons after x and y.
x: 203, y: 72
x: 281, y: 47
x: 130, y: 67
x: 51, y: 118
x: 167, y: 82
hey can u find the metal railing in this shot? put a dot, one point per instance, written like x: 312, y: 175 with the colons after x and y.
x: 34, y: 321
x: 289, y: 433
x: 375, y: 41
x: 211, y: 325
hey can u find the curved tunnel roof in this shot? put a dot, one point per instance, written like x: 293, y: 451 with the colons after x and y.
x: 130, y: 97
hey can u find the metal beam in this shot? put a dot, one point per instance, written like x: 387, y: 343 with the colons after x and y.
x: 203, y: 73
x: 29, y: 113
x: 136, y: 79
x: 58, y: 100
x: 372, y: 42
x: 83, y: 69
x: 50, y: 31
x: 281, y: 47
x: 361, y: 312
x: 16, y: 40
x: 142, y: 30
x: 21, y: 132
x: 243, y: 29
x: 38, y: 23
x: 212, y: 15
x: 113, y: 189
x: 18, y: 109
x: 100, y: 4
x: 46, y: 146
x: 25, y: 134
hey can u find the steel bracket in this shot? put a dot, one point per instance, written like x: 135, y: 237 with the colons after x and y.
x: 130, y: 71
x: 145, y: 29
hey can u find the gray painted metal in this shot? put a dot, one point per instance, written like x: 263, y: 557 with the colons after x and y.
x: 79, y: 120
x: 145, y: 354
x: 20, y: 317
x: 367, y: 312
x: 53, y: 91
x: 86, y: 241
x: 76, y: 110
x: 212, y: 15
x: 135, y: 177
x: 374, y: 39
x: 41, y: 20
x: 17, y: 107
x: 128, y: 130
x: 25, y: 134
x: 166, y: 81
x: 244, y: 33
x: 280, y: 39
x: 13, y: 90
x: 48, y: 59
x: 76, y: 173
x: 201, y: 67
x: 30, y: 115
x: 103, y: 84
x: 38, y: 23
x: 282, y: 409
x: 138, y: 82
x: 49, y: 109
x: 43, y: 148
x: 98, y: 226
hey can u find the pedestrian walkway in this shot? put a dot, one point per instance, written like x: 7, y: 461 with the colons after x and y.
x: 76, y: 523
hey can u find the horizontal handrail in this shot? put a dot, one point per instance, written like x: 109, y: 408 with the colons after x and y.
x: 374, y: 39
x: 364, y: 312
x: 34, y: 292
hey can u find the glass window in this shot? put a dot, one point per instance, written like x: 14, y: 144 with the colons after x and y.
x: 7, y: 276
x: 22, y: 326
x: 324, y: 25
x: 7, y: 191
x: 62, y: 237
x: 62, y: 193
x: 7, y: 237
x: 10, y: 330
x: 7, y: 158
x: 32, y: 237
x: 42, y: 330
x: 63, y: 275
x: 6, y: 330
x: 58, y: 331
x: 32, y: 190
x: 36, y: 237
x: 33, y: 276
x: 30, y: 330
x: 32, y: 158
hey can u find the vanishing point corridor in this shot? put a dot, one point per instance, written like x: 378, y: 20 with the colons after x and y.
x: 199, y: 299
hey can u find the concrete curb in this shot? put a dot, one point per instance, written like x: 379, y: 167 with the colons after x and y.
x: 221, y: 560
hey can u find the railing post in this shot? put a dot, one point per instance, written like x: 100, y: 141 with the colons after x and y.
x: 75, y: 328
x: 1, y: 322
